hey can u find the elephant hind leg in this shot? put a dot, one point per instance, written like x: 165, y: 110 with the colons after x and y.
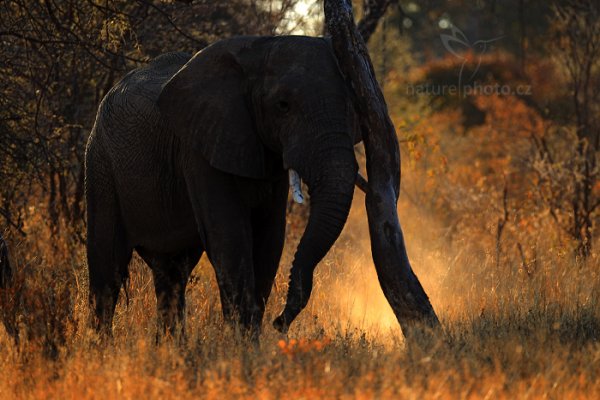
x: 108, y: 250
x: 107, y: 276
x: 171, y: 273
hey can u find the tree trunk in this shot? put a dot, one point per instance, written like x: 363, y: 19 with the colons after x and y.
x: 400, y: 285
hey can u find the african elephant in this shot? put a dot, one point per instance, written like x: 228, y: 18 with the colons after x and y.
x: 190, y: 154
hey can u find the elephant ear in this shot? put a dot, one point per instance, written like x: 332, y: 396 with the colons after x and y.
x: 205, y: 105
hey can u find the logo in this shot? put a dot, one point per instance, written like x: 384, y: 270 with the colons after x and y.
x: 459, y: 46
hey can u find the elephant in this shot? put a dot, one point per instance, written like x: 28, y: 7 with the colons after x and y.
x: 191, y: 154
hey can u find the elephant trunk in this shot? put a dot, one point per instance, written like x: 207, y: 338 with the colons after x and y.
x: 330, y: 177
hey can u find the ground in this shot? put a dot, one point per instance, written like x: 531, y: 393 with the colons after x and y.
x: 507, y: 333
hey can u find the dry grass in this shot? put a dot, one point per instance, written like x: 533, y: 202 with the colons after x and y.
x: 509, y: 333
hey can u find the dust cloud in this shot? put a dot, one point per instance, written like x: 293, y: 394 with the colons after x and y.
x: 346, y: 283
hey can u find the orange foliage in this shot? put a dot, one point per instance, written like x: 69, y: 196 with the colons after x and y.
x: 303, y: 345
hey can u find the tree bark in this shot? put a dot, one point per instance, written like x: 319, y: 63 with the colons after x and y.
x: 400, y: 285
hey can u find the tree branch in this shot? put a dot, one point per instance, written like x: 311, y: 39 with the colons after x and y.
x: 373, y: 11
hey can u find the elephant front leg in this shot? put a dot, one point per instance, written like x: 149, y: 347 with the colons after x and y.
x: 268, y: 224
x: 231, y: 257
x: 225, y: 226
x: 228, y: 243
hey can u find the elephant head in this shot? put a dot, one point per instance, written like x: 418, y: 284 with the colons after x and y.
x: 249, y: 104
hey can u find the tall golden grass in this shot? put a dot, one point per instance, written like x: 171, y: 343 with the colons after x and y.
x: 508, y: 332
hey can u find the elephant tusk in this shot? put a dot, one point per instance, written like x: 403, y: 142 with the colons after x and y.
x: 296, y: 185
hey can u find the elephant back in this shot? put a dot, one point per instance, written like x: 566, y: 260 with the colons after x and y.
x: 132, y: 101
x: 128, y: 118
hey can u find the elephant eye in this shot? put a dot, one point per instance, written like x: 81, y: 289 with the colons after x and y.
x: 283, y: 106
